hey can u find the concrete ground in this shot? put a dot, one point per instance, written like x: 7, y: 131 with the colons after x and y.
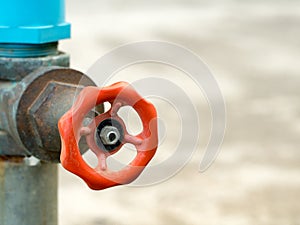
x: 253, y: 50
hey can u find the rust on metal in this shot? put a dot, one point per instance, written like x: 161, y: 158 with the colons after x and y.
x: 43, y: 102
x: 12, y: 159
x: 15, y: 69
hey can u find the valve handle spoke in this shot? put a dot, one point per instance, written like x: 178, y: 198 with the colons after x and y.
x: 102, y: 165
x: 85, y: 131
x: 133, y: 139
x: 115, y: 108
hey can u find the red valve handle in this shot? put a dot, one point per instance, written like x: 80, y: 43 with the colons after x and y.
x: 71, y: 129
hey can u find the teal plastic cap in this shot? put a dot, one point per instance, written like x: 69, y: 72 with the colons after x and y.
x: 33, y: 21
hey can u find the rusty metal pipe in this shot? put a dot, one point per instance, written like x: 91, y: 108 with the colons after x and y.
x: 30, y: 106
x: 28, y: 191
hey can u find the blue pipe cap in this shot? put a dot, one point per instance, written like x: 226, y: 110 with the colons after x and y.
x: 33, y: 21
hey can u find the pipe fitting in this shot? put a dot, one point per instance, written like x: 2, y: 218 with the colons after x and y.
x: 31, y: 108
x: 49, y: 93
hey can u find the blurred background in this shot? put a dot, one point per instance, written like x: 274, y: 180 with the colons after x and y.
x: 253, y: 50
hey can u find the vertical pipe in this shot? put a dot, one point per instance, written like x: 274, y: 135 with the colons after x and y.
x: 28, y: 193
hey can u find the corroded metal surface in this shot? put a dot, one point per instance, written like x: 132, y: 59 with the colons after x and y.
x: 46, y: 98
x: 9, y: 146
x: 12, y: 70
x: 30, y: 109
x: 15, y: 69
x: 26, y: 50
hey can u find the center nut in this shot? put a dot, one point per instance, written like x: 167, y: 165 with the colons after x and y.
x: 109, y: 134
